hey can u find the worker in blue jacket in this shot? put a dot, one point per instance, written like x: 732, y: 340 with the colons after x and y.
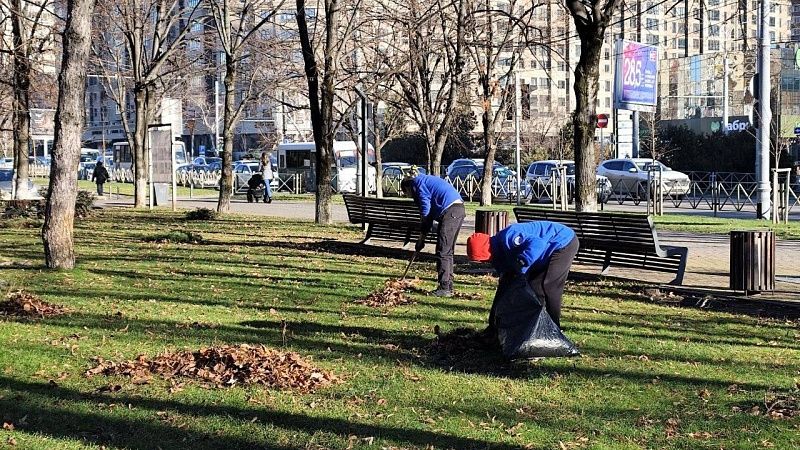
x: 541, y: 250
x: 438, y: 201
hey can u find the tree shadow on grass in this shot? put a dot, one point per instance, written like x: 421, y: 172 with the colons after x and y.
x: 50, y: 411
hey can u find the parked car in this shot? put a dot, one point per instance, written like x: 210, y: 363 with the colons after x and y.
x: 6, y: 163
x: 539, y: 177
x: 629, y: 177
x: 468, y: 162
x: 7, y: 183
x: 504, y: 183
x: 393, y: 174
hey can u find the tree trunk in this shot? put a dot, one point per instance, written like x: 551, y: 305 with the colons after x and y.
x: 584, y: 121
x: 21, y: 100
x: 321, y: 108
x: 228, y: 121
x: 139, y: 147
x: 59, y: 218
x: 488, y: 163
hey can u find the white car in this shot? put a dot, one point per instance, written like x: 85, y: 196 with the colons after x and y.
x: 7, y: 183
x: 629, y: 176
x: 6, y: 163
x: 539, y: 173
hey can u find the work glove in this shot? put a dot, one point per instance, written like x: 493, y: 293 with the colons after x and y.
x: 420, y: 245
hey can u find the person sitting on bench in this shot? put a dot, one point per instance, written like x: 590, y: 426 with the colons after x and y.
x: 541, y: 250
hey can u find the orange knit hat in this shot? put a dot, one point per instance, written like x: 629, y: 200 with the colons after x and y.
x: 478, y: 248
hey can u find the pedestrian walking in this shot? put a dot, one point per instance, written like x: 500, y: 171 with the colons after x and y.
x: 543, y: 251
x: 100, y: 176
x: 265, y: 167
x: 438, y: 201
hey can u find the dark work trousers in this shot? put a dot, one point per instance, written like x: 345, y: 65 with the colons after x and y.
x: 449, y: 226
x: 547, y: 281
x: 100, y: 189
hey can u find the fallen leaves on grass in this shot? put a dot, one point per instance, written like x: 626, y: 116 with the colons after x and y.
x: 671, y: 427
x: 467, y: 295
x: 776, y: 406
x: 225, y: 366
x: 460, y: 342
x: 393, y: 293
x: 25, y: 304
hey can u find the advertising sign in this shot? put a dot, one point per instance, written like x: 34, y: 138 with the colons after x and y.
x: 636, y: 76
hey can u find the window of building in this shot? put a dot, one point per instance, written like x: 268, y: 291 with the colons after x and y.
x: 562, y: 101
x: 608, y: 102
x: 651, y: 39
x: 562, y: 84
x: 713, y: 3
x: 652, y: 24
x: 606, y: 68
x: 772, y: 21
x: 713, y: 30
x: 608, y: 85
x: 713, y: 45
x: 713, y: 14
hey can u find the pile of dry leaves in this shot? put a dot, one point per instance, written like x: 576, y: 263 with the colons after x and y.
x: 392, y: 294
x: 224, y: 366
x: 776, y: 406
x: 25, y: 304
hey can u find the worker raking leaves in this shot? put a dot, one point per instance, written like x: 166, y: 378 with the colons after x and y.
x: 533, y: 260
x: 438, y: 201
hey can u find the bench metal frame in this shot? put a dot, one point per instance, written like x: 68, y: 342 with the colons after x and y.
x: 610, y: 239
x: 387, y: 219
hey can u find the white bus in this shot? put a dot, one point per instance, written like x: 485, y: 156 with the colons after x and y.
x: 298, y: 157
x: 123, y: 155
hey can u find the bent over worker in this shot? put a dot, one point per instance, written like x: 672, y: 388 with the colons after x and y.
x: 541, y: 250
x: 438, y: 201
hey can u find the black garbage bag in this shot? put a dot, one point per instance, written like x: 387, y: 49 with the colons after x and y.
x: 524, y: 328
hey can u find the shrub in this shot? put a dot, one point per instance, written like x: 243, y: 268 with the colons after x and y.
x: 176, y: 237
x: 201, y: 214
x: 84, y: 204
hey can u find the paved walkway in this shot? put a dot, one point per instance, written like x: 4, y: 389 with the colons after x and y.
x: 707, y: 268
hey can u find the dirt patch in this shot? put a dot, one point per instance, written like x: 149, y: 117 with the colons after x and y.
x: 462, y: 345
x: 25, y: 304
x: 392, y: 294
x: 224, y: 366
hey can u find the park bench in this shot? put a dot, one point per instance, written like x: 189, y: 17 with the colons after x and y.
x: 619, y: 240
x: 387, y: 219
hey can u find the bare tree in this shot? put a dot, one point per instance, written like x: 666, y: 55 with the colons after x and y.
x: 496, y: 44
x: 237, y: 25
x: 137, y: 48
x: 57, y: 231
x: 327, y: 40
x: 31, y: 31
x: 432, y: 75
x: 591, y: 18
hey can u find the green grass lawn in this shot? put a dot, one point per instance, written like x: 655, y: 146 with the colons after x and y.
x: 127, y: 188
x: 651, y: 375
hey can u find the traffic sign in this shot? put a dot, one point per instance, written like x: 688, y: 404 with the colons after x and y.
x: 602, y: 120
x: 797, y: 131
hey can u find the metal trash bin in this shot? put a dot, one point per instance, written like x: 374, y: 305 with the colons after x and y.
x: 752, y: 261
x: 490, y: 221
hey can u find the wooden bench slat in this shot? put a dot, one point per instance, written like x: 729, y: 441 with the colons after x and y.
x: 615, y: 239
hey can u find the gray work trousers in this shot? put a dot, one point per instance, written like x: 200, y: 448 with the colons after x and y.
x: 449, y: 226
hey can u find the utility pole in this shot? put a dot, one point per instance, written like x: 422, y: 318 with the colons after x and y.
x: 701, y: 18
x: 638, y: 20
x: 216, y: 116
x: 517, y: 108
x: 686, y: 27
x: 765, y: 117
x: 725, y: 93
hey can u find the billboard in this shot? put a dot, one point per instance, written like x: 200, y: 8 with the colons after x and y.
x: 636, y: 76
